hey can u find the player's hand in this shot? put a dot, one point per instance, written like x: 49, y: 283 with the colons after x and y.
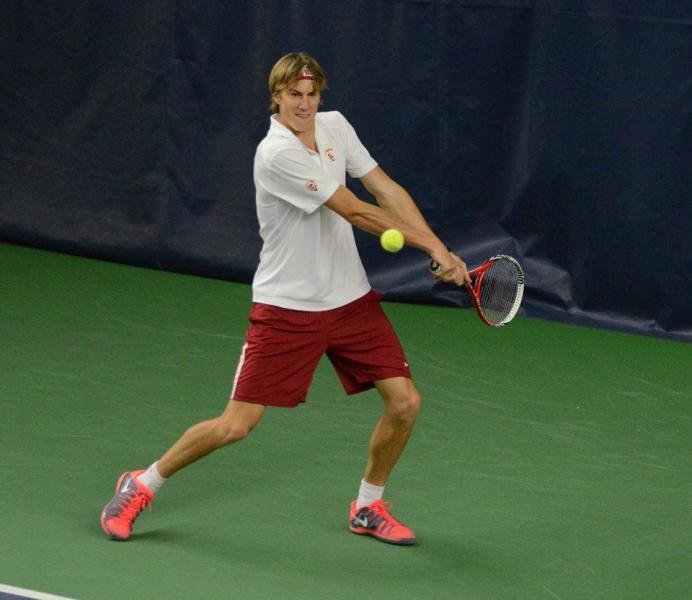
x: 451, y: 268
x: 463, y: 269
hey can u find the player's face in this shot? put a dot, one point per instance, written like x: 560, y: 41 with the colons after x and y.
x: 298, y: 104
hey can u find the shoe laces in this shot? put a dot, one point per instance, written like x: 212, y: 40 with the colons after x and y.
x: 130, y: 503
x: 381, y: 508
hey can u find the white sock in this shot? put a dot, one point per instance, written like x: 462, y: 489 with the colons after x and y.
x: 152, y: 478
x: 368, y: 493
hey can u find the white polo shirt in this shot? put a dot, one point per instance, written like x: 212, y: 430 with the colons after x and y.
x: 309, y: 260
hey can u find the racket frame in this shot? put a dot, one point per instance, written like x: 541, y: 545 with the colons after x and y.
x: 474, y: 289
x: 477, y: 276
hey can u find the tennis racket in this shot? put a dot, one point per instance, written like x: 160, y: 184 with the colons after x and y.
x: 497, y: 287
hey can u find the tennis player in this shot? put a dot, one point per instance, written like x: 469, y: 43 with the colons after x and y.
x: 311, y: 296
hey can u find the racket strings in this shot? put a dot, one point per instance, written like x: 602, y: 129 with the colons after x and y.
x: 500, y: 287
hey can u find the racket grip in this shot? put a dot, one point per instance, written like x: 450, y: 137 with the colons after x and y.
x: 434, y: 265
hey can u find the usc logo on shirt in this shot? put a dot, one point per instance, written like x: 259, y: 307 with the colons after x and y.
x: 330, y: 154
x: 311, y: 185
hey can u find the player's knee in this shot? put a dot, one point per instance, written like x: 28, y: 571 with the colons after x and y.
x: 237, y: 434
x: 406, y: 406
x: 235, y: 424
x: 234, y: 431
x: 231, y: 432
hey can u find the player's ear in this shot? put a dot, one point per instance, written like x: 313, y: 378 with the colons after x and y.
x: 276, y: 96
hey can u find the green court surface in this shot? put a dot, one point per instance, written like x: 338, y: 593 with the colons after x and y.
x: 548, y: 461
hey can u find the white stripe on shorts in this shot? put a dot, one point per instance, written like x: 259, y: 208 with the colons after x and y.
x: 238, y: 370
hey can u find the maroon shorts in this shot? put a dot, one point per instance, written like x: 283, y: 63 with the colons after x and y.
x: 283, y: 347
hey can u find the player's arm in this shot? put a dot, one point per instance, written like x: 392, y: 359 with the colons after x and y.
x: 393, y: 198
x: 375, y: 220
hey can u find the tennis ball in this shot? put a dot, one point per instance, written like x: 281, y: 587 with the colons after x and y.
x: 392, y: 240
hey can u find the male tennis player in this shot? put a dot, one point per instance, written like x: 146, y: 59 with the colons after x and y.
x: 311, y: 296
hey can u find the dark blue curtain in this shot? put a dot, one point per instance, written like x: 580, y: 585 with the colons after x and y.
x: 557, y: 131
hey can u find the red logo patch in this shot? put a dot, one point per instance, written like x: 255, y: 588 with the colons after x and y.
x: 306, y: 73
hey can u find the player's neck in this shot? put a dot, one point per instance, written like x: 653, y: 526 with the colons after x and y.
x: 308, y: 139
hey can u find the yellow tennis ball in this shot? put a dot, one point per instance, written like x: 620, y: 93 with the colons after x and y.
x: 392, y: 240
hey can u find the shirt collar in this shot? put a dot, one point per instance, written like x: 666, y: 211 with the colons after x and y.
x: 276, y: 128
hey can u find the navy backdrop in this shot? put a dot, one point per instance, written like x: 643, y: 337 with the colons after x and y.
x: 559, y: 131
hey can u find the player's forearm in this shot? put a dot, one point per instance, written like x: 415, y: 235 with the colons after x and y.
x: 375, y: 220
x: 399, y: 202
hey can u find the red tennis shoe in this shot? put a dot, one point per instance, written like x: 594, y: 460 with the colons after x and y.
x: 377, y: 521
x: 121, y: 512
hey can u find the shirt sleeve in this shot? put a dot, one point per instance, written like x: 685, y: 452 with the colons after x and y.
x: 290, y: 176
x: 358, y: 159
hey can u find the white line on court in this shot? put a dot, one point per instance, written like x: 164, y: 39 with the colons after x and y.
x: 15, y: 592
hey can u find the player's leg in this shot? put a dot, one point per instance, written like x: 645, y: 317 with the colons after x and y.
x: 389, y: 438
x: 279, y: 357
x: 134, y: 490
x: 366, y: 352
x: 369, y: 514
x: 236, y: 422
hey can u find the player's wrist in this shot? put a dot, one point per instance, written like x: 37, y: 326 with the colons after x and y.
x: 439, y: 252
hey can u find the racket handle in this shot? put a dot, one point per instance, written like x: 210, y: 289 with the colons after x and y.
x: 434, y: 265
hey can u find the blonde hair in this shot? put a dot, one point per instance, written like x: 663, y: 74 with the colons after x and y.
x: 288, y: 69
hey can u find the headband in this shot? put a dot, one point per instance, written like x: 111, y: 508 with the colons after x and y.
x: 306, y: 73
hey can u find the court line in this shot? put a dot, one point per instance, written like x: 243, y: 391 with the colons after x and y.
x: 8, y: 591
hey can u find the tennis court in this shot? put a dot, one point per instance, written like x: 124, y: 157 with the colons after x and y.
x: 548, y: 461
